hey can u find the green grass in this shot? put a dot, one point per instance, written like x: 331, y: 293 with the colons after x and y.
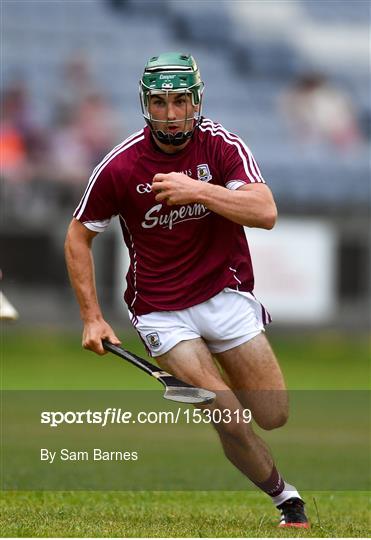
x: 53, y: 360
x: 175, y: 514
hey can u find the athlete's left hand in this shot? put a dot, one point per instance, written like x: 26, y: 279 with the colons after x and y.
x: 175, y: 188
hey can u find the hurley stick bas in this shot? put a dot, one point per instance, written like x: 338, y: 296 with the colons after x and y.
x: 175, y: 389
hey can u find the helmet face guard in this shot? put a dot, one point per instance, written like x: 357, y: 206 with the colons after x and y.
x: 171, y: 73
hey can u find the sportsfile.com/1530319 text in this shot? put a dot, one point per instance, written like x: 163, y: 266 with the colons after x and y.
x: 112, y: 416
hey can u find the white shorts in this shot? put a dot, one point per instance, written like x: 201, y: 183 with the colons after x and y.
x: 225, y: 321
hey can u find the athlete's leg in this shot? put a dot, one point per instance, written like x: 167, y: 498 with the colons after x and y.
x: 192, y: 362
x: 256, y: 378
x: 255, y: 375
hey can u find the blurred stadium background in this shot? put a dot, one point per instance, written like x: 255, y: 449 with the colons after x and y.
x: 291, y: 77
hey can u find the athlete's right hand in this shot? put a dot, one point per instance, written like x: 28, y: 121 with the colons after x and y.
x: 94, y: 332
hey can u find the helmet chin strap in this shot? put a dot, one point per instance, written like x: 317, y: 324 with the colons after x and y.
x: 174, y: 140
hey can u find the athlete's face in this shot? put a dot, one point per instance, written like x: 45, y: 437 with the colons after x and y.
x: 172, y: 113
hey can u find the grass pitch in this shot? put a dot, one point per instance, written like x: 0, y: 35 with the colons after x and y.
x: 55, y: 361
x: 175, y: 514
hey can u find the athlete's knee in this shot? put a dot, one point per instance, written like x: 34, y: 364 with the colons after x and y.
x: 274, y: 420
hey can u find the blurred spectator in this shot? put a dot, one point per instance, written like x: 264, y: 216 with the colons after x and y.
x: 98, y: 127
x: 23, y: 143
x: 44, y: 166
x: 317, y: 112
x: 82, y: 138
x: 13, y: 153
x: 85, y: 126
x: 14, y: 132
x: 24, y: 155
x: 16, y: 106
x: 69, y: 155
x: 76, y: 84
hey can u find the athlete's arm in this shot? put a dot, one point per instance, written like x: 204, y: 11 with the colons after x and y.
x: 80, y: 267
x: 251, y: 205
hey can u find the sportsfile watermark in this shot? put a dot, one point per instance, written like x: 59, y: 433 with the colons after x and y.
x: 112, y: 415
x: 136, y: 440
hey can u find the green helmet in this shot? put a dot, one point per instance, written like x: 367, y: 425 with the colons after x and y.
x: 166, y: 73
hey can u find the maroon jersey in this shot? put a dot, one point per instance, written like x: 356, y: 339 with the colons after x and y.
x: 180, y: 255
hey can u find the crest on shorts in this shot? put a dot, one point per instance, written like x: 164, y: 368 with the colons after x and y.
x: 203, y: 172
x: 153, y: 340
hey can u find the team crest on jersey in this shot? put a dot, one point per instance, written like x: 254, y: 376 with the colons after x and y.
x: 153, y: 340
x: 203, y: 172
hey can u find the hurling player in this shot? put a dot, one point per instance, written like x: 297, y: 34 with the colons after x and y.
x: 183, y: 188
